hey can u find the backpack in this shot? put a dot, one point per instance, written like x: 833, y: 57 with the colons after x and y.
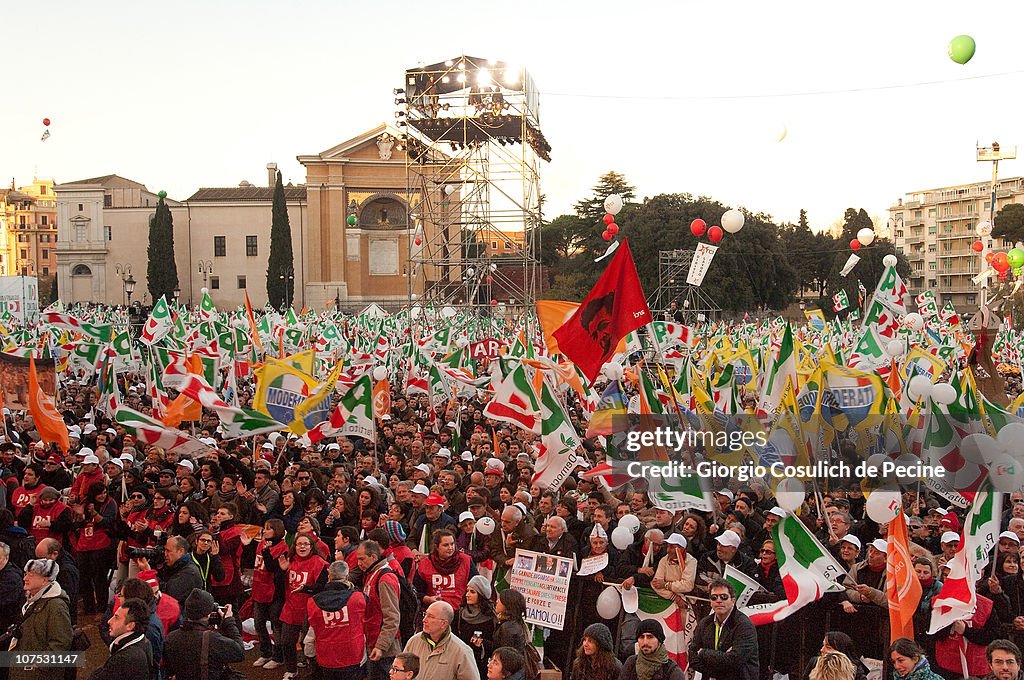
x: 408, y: 605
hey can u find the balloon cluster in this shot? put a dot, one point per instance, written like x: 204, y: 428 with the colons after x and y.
x: 1004, y: 262
x: 46, y: 130
x: 732, y: 222
x: 612, y: 207
x: 865, y: 237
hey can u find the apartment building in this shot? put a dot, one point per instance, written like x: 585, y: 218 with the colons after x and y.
x: 935, y: 229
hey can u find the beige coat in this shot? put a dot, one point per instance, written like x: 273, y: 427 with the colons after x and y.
x: 679, y: 579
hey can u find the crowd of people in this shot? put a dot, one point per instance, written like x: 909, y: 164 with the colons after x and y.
x: 360, y: 558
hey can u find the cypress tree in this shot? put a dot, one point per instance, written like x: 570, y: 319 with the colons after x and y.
x: 162, y: 272
x: 280, y: 291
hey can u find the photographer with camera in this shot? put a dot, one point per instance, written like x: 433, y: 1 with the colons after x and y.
x: 178, y: 575
x: 208, y: 636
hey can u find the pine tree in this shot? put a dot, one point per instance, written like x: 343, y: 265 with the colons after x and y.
x: 162, y: 272
x: 280, y: 266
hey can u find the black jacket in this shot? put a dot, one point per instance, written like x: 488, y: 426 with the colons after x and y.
x: 183, y: 649
x: 179, y: 579
x: 130, y: 659
x: 12, y: 595
x: 734, y: 658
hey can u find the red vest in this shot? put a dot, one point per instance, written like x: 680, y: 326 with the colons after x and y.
x: 339, y: 635
x: 90, y: 538
x: 80, y: 486
x: 22, y: 497
x: 301, y: 573
x: 374, y: 617
x: 43, y: 518
x: 230, y: 555
x: 452, y: 587
x: 947, y: 650
x: 262, y: 579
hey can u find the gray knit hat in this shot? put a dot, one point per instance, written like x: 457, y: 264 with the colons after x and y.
x: 48, y: 569
x: 599, y: 633
x: 481, y: 585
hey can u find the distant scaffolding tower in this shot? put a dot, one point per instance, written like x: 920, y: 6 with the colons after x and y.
x: 673, y: 266
x: 474, y: 143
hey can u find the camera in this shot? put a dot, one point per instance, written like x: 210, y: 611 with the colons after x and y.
x: 154, y: 555
x: 217, y: 617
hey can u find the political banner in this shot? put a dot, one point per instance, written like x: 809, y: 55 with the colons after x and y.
x: 544, y: 581
x: 700, y: 263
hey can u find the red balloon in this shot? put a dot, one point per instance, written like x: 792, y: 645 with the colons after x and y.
x: 494, y: 303
x: 609, y: 218
x: 698, y: 227
x: 613, y: 229
x: 978, y: 246
x: 607, y: 236
x: 417, y: 240
x: 46, y: 121
x: 490, y: 280
x: 715, y: 234
x: 989, y: 256
x: 854, y: 244
x: 1000, y: 263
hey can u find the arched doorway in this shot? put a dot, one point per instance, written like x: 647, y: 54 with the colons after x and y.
x: 81, y: 283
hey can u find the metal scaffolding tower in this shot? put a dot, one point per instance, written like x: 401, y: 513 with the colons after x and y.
x: 673, y: 266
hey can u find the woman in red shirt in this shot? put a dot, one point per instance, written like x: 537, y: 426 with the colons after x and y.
x: 93, y: 520
x: 269, y: 583
x: 307, y: 573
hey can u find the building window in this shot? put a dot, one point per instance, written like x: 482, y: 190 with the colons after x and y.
x: 931, y: 247
x: 251, y: 249
x: 46, y: 271
x: 81, y: 270
x: 241, y: 282
x: 987, y: 206
x: 220, y: 247
x: 494, y: 245
x: 81, y: 207
x: 43, y: 219
x: 108, y: 232
x: 972, y: 299
x: 108, y: 201
x: 81, y: 232
x: 933, y: 229
x: 917, y: 214
x: 24, y: 254
x: 46, y: 254
x: 931, y: 212
x: 214, y: 283
x: 21, y: 220
x: 24, y: 271
x: 931, y: 266
x: 42, y: 190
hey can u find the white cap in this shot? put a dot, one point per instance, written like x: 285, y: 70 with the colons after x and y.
x: 90, y: 428
x: 128, y: 457
x: 676, y: 539
x: 949, y: 537
x: 495, y: 464
x: 852, y: 540
x: 117, y: 461
x: 185, y: 463
x: 84, y: 451
x: 777, y: 511
x: 444, y: 453
x: 267, y: 445
x: 111, y: 430
x: 91, y: 460
x: 451, y: 423
x: 940, y: 510
x: 386, y: 416
x: 729, y: 537
x: 522, y: 508
x: 370, y: 479
x: 421, y: 490
x: 209, y: 441
x: 598, y: 531
x: 725, y: 492
x: 424, y: 468
x: 1010, y: 535
x: 880, y: 545
x: 467, y: 456
x: 466, y: 515
x: 334, y: 446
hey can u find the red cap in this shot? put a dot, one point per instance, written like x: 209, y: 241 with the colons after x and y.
x: 434, y: 499
x: 492, y: 471
x: 54, y: 458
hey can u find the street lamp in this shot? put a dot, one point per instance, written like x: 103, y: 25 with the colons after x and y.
x: 123, y: 271
x: 129, y: 287
x: 177, y: 294
x: 287, y: 276
x: 205, y: 268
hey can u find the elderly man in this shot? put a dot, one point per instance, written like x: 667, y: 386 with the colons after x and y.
x: 515, y: 533
x: 442, y: 655
x: 724, y: 644
x: 555, y: 539
x: 712, y: 564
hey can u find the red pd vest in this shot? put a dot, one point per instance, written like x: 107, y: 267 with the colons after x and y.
x: 43, y: 519
x: 449, y: 587
x: 301, y: 573
x: 339, y: 635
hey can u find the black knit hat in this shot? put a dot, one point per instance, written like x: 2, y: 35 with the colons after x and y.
x: 599, y: 633
x: 653, y: 627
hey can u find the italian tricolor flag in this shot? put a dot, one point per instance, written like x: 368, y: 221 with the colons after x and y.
x: 677, y: 622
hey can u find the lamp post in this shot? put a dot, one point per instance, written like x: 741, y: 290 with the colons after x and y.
x: 123, y: 271
x: 177, y: 294
x: 129, y: 287
x: 287, y: 276
x: 205, y: 268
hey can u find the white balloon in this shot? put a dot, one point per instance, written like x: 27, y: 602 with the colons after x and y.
x: 379, y: 373
x: 609, y: 603
x: 1011, y: 438
x: 485, y: 525
x: 889, y: 260
x: 984, y: 228
x: 876, y: 461
x: 612, y: 370
x: 919, y: 387
x: 866, y: 236
x: 790, y: 494
x: 980, y: 448
x: 613, y: 204
x: 1006, y: 473
x: 944, y: 393
x: 732, y: 220
x: 621, y: 537
x: 782, y: 133
x: 914, y: 320
x: 883, y: 505
x: 462, y: 342
x: 630, y: 522
x: 895, y: 348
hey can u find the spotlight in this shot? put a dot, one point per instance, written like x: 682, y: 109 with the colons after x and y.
x: 445, y: 79
x: 511, y: 75
x: 399, y: 114
x: 483, y: 78
x: 449, y: 63
x: 461, y: 78
x: 398, y: 91
x: 400, y: 100
x: 401, y: 123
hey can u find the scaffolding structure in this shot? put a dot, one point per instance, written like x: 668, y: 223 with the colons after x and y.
x: 473, y: 141
x: 694, y: 303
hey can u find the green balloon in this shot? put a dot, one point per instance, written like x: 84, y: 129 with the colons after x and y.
x: 351, y: 220
x: 961, y: 49
x: 1015, y: 257
x: 162, y: 194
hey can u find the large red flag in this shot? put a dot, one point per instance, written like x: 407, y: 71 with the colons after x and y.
x: 51, y: 427
x: 614, y: 307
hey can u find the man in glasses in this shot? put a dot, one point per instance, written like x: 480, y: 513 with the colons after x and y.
x: 405, y: 667
x: 724, y: 644
x: 442, y: 655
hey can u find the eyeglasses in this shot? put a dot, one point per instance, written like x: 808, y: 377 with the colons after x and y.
x: 397, y: 670
x: 205, y: 540
x: 137, y: 497
x: 719, y: 598
x: 765, y: 551
x: 303, y: 479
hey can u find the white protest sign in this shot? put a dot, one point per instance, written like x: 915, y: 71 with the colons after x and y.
x: 544, y: 582
x: 700, y: 263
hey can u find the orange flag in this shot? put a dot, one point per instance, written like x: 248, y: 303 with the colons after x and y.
x: 49, y: 424
x: 901, y: 584
x: 381, y: 399
x: 251, y: 318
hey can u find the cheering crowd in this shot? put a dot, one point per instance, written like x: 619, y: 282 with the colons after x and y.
x: 390, y: 559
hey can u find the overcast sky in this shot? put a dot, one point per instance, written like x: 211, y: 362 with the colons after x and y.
x: 679, y: 96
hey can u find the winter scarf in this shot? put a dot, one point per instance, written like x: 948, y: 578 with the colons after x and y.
x: 648, y: 664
